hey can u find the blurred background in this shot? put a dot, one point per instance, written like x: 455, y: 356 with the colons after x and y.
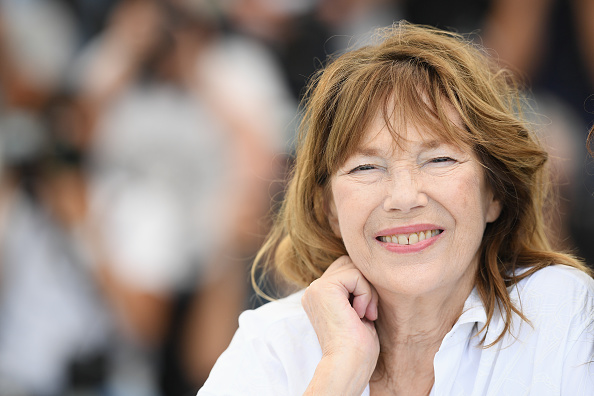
x: 144, y: 142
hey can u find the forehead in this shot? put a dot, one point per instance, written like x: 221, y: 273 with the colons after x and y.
x: 392, y: 131
x: 410, y: 96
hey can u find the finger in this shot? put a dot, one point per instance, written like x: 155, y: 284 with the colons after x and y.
x: 361, y: 290
x: 345, y: 274
x: 372, y: 311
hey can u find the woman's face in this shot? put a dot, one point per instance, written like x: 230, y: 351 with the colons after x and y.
x: 412, y: 215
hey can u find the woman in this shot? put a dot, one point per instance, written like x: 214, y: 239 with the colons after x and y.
x: 414, y: 218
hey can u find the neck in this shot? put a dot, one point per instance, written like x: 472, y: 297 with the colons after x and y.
x: 418, y: 320
x: 411, y: 330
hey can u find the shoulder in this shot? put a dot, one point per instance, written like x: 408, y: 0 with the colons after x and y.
x: 556, y: 293
x: 558, y: 282
x: 559, y: 303
x: 269, y: 317
x: 282, y: 328
x: 274, y: 351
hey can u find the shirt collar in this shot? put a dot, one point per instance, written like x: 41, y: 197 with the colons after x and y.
x: 473, y: 311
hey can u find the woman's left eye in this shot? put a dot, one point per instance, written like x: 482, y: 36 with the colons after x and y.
x: 440, y: 160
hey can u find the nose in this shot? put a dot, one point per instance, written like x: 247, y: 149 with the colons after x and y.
x: 404, y: 192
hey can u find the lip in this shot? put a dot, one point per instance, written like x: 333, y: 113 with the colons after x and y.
x: 417, y: 247
x: 408, y: 229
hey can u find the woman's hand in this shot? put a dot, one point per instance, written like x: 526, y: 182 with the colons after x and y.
x: 342, y: 306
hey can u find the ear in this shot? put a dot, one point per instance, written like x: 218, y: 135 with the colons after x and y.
x: 494, y: 210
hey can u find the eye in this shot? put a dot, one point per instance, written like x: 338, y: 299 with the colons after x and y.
x: 442, y: 160
x: 364, y: 167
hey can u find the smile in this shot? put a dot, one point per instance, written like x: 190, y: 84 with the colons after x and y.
x: 409, y: 239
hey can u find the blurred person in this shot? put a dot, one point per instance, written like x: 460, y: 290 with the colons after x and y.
x: 126, y: 364
x: 61, y: 331
x: 53, y: 324
x: 189, y: 132
x: 55, y: 329
x: 52, y: 270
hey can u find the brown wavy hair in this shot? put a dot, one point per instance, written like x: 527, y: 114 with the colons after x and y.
x: 425, y: 70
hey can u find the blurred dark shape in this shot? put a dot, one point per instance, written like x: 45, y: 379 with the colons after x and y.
x: 459, y: 15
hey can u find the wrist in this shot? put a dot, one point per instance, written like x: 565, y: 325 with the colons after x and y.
x: 336, y: 375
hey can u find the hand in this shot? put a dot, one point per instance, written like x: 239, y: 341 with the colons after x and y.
x: 342, y: 306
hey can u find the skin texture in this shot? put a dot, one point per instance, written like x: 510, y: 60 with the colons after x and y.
x: 403, y: 299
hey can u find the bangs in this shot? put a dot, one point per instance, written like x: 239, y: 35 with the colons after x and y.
x: 406, y: 92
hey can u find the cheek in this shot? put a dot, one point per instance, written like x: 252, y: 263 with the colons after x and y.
x: 473, y: 211
x: 465, y: 200
x: 352, y: 210
x: 469, y: 197
x: 348, y: 209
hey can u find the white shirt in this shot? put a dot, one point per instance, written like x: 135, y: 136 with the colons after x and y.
x: 276, y: 351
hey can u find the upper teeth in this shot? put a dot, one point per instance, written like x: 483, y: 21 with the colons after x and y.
x: 409, y: 239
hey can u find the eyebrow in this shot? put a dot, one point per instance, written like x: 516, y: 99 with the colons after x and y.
x: 431, y: 144
x: 376, y: 152
x: 368, y: 151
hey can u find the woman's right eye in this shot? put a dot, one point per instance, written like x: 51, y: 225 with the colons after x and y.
x: 364, y: 167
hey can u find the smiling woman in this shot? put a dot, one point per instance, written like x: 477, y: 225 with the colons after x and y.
x: 414, y: 222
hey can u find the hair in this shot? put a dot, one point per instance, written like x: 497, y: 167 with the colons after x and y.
x: 427, y: 70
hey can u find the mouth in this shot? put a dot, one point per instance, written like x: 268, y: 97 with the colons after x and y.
x: 409, y: 239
